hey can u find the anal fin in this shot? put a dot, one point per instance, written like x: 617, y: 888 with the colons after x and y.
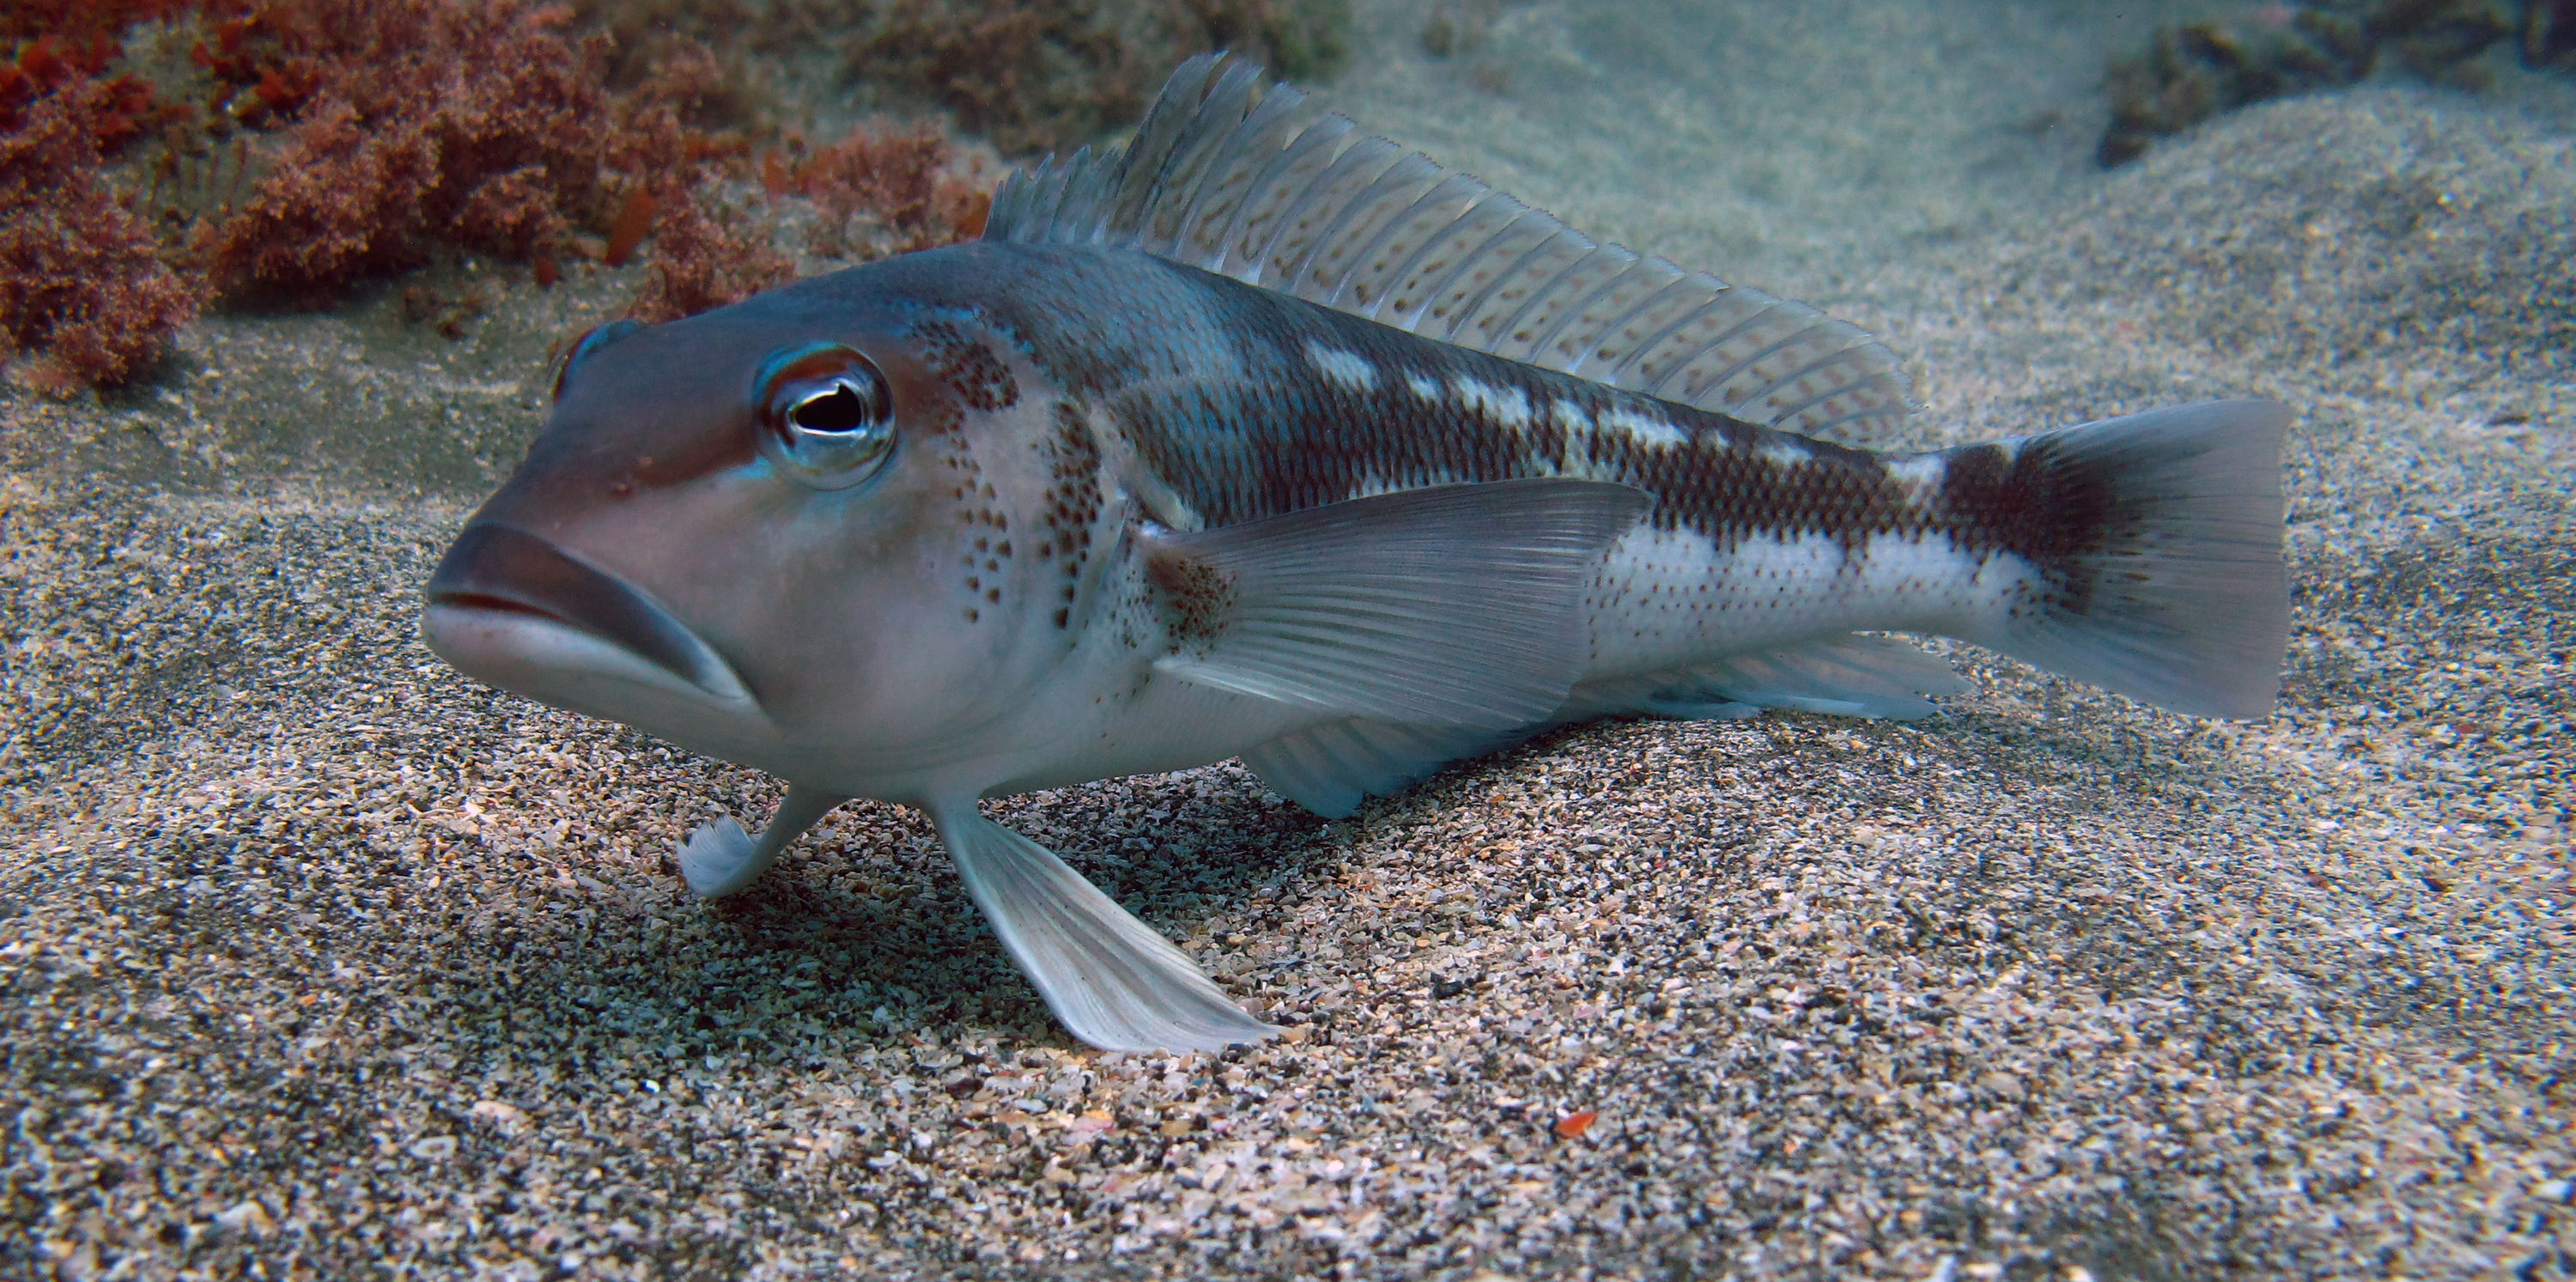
x: 1851, y: 675
x: 1110, y: 978
x: 1332, y: 767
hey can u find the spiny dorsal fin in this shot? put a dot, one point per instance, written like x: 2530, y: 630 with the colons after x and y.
x: 1250, y: 180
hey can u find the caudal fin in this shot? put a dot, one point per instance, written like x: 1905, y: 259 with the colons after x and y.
x: 2157, y: 538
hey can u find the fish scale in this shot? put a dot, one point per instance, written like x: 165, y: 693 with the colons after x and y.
x: 1263, y: 438
x: 1348, y: 423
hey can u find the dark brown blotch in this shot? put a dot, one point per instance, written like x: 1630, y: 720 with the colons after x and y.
x: 2035, y: 503
x: 1197, y: 597
x: 2031, y: 502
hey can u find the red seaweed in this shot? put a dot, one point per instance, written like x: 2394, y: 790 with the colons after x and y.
x: 899, y: 178
x: 700, y: 262
x: 634, y: 218
x: 430, y: 122
x: 84, y: 300
x: 347, y: 140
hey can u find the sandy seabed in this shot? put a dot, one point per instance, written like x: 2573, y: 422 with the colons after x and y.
x: 321, y: 961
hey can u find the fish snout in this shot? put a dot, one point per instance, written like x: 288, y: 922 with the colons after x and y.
x: 515, y: 610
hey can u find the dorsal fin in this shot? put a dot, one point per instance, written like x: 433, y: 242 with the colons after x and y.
x: 1248, y: 179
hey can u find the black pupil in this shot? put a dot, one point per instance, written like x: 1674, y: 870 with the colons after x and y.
x: 838, y: 410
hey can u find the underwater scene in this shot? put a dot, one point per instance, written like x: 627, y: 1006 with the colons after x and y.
x: 1116, y: 639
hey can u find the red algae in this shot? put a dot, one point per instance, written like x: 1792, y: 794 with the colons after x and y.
x: 301, y: 147
x: 2198, y: 70
x: 84, y: 299
x: 365, y: 139
x: 430, y: 122
x: 899, y: 177
x: 701, y: 262
x: 1028, y: 75
x: 82, y: 21
x: 634, y: 218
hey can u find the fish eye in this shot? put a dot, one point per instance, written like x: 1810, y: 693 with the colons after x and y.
x: 826, y: 414
x: 588, y: 345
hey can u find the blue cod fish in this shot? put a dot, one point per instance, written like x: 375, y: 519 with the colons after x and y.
x: 1261, y: 438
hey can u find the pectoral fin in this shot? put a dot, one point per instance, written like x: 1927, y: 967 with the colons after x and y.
x: 1456, y: 605
x: 1113, y: 982
x: 1332, y: 767
x: 720, y: 858
x: 1852, y: 675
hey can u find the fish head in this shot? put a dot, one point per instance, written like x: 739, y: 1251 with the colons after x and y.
x: 754, y: 532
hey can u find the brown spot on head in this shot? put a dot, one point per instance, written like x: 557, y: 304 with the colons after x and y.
x: 971, y: 370
x: 1074, y: 494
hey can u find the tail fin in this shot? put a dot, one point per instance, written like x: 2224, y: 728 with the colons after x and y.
x: 2158, y: 538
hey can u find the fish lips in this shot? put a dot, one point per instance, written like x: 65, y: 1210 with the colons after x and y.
x: 516, y: 611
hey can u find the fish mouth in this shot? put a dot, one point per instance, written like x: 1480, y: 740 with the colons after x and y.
x: 515, y: 610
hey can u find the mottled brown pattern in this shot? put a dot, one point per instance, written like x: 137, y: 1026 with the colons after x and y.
x: 1197, y: 599
x: 1073, y: 499
x: 1332, y: 443
x: 1212, y: 384
x: 1288, y: 438
x: 1725, y: 487
x: 978, y: 377
x: 937, y: 424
